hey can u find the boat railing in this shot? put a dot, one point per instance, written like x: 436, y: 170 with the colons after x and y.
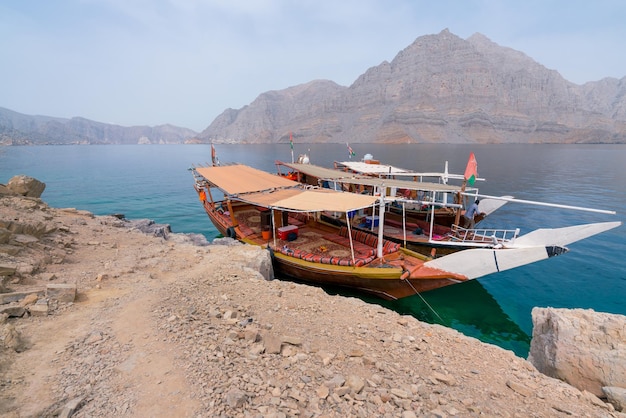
x: 484, y: 235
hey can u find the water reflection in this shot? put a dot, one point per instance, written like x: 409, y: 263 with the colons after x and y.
x: 467, y: 307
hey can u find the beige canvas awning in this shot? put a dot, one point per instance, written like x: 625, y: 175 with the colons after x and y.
x: 237, y: 179
x: 257, y: 187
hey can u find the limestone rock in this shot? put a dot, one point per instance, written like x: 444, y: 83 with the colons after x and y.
x: 4, y: 190
x: 26, y: 186
x: 11, y: 338
x: 584, y: 348
x: 17, y: 296
x: 71, y: 407
x: 12, y: 310
x: 29, y: 300
x: 62, y: 292
x: 5, y: 235
x: 40, y: 308
x: 236, y: 398
x: 261, y: 261
x: 616, y: 396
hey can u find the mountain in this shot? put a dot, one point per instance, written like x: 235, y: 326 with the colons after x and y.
x: 440, y: 89
x: 20, y: 129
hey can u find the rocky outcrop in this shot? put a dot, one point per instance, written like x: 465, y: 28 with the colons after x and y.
x: 584, y: 348
x: 24, y: 186
x: 31, y: 239
x: 439, y: 89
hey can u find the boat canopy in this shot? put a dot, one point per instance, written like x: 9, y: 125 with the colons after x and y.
x: 381, y: 170
x: 236, y: 179
x: 340, y: 176
x: 376, y: 169
x: 263, y: 189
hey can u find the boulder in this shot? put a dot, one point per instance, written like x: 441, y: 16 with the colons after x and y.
x: 584, y: 348
x: 26, y: 186
x: 259, y: 260
x: 616, y: 396
x: 5, y: 190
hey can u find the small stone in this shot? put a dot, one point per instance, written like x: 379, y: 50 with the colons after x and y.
x: 71, y: 407
x: 63, y: 292
x: 519, y: 388
x: 101, y: 277
x: 272, y: 344
x: 399, y: 393
x: 235, y: 398
x: 39, y: 309
x: 322, y: 391
x: 29, y: 300
x: 444, y: 378
x: 341, y: 391
x: 356, y: 383
x: 287, y: 339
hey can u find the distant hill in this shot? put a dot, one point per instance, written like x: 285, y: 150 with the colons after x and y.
x: 19, y: 129
x: 440, y: 89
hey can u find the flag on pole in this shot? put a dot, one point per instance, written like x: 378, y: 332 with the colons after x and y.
x: 350, y: 152
x: 471, y: 171
x: 291, y: 140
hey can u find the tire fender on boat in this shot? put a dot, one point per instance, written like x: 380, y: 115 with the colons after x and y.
x: 230, y: 232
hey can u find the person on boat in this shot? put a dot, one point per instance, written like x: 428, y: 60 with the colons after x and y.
x: 202, y: 195
x: 470, y: 213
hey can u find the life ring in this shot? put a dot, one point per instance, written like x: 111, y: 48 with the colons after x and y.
x: 230, y: 232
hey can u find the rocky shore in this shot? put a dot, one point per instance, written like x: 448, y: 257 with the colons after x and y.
x: 119, y: 322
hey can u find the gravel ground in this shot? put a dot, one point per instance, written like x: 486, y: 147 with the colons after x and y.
x: 166, y: 328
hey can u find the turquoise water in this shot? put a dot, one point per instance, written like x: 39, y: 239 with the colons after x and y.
x: 154, y: 182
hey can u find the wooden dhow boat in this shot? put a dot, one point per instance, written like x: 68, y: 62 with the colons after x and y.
x: 445, y: 213
x: 284, y: 216
x: 419, y: 233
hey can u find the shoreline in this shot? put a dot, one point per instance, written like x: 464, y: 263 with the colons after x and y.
x: 168, y: 328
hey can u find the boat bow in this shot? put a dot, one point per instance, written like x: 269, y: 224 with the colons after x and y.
x: 530, y: 248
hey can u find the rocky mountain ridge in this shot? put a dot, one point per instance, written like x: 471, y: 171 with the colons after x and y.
x: 439, y: 89
x: 20, y: 129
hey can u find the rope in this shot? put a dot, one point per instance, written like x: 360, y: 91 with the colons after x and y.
x: 426, y: 303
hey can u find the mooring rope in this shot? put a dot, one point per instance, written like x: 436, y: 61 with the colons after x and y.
x: 426, y: 303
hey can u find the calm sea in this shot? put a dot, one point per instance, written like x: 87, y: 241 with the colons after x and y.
x: 154, y: 182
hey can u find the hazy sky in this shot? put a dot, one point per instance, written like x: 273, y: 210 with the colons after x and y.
x: 151, y: 62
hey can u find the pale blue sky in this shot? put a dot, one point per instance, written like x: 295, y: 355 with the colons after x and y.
x: 151, y: 62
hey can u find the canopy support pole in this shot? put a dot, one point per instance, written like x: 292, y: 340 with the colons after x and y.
x: 404, y: 223
x: 350, y: 238
x: 273, y: 226
x: 381, y: 223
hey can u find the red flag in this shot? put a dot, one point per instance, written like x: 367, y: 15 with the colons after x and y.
x: 350, y: 152
x: 291, y: 140
x: 213, y: 159
x: 471, y: 171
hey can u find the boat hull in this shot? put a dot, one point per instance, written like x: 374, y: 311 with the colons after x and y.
x: 386, y: 279
x: 386, y: 283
